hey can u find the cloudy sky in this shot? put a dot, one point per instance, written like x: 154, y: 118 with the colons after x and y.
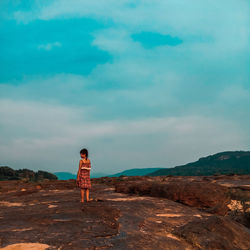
x: 139, y: 83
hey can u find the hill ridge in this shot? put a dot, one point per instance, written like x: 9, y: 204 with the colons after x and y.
x: 226, y: 162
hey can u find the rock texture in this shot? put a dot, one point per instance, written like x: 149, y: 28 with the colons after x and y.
x: 211, y: 233
x: 50, y: 215
x: 26, y: 246
x: 201, y: 194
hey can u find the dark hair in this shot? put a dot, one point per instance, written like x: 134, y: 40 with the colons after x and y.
x: 84, y: 151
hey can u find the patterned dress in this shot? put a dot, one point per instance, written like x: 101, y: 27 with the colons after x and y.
x: 84, y: 176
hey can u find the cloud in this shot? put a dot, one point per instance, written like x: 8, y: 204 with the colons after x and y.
x: 235, y: 93
x: 219, y: 21
x: 45, y: 136
x: 68, y: 44
x: 49, y: 46
x: 151, y: 39
x: 132, y: 106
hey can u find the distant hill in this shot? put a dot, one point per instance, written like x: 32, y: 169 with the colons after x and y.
x: 65, y: 175
x: 68, y: 175
x: 228, y: 162
x: 7, y: 173
x: 97, y: 175
x: 135, y: 172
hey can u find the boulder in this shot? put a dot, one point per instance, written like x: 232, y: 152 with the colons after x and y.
x: 201, y: 194
x: 215, y: 232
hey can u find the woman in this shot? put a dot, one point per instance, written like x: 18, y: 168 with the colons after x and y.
x: 83, y: 174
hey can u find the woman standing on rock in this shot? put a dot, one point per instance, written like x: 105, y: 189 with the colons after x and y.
x: 83, y: 174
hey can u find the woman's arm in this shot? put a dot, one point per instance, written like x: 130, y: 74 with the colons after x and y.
x: 87, y: 168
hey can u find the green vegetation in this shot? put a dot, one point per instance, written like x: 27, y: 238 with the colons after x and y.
x: 7, y: 173
x: 135, y: 172
x: 229, y: 162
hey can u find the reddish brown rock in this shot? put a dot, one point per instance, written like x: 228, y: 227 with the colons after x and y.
x: 53, y: 215
x: 26, y: 246
x: 201, y: 194
x: 215, y: 233
x: 38, y: 186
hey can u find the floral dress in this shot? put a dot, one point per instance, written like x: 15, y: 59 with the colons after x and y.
x: 84, y: 176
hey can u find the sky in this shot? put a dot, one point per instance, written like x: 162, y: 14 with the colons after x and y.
x: 138, y: 83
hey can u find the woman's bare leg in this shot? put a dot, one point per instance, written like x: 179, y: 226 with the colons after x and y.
x: 87, y: 194
x: 82, y: 195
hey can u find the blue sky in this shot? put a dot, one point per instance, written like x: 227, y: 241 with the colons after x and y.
x: 139, y: 83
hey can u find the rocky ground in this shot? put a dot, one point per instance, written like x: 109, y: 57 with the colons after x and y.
x: 127, y: 213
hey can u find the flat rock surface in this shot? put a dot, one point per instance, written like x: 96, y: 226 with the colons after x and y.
x: 51, y: 216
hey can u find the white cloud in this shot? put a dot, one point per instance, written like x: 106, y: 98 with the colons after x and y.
x: 224, y: 23
x: 48, y: 89
x: 188, y: 87
x: 235, y: 93
x: 47, y: 136
x: 49, y: 46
